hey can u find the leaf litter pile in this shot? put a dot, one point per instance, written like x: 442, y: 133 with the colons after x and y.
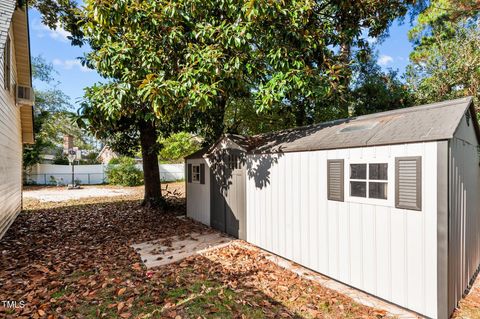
x: 74, y: 260
x: 469, y: 307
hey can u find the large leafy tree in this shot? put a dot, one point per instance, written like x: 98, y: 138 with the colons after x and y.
x: 184, y: 61
x: 126, y: 124
x: 374, y: 90
x: 445, y: 62
x: 198, y: 54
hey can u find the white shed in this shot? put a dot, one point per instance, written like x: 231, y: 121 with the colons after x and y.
x: 387, y: 203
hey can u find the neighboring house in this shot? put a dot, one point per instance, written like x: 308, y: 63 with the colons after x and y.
x: 106, y: 155
x: 387, y: 203
x: 16, y: 113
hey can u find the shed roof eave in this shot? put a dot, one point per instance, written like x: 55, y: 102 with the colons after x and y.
x: 253, y: 152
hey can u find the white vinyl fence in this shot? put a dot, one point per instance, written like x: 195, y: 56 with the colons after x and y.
x: 51, y: 174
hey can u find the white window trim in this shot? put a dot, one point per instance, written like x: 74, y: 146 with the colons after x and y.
x: 390, y: 201
x: 193, y: 174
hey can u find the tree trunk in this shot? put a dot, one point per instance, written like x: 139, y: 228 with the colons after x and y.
x: 300, y: 113
x: 345, y: 56
x: 151, y: 173
x: 218, y: 128
x: 216, y: 119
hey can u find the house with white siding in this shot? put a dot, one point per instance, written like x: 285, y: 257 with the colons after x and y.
x: 16, y: 106
x: 387, y: 203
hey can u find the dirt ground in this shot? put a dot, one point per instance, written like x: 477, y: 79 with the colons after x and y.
x: 73, y: 259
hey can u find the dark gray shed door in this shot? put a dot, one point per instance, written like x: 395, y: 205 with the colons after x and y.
x: 217, y: 215
x: 228, y: 200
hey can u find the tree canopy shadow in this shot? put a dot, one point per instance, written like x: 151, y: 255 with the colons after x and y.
x: 256, y: 154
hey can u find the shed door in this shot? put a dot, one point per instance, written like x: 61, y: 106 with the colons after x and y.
x: 217, y: 215
x: 228, y: 196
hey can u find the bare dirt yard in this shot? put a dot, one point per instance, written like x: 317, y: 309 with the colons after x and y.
x: 73, y: 259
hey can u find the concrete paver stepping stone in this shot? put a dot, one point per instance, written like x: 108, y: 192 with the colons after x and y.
x: 163, y: 252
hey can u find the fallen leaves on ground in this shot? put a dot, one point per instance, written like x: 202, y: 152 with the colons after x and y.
x: 469, y: 307
x: 74, y: 260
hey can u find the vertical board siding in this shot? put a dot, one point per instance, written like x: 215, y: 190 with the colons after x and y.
x: 10, y: 149
x: 198, y: 203
x: 464, y: 217
x: 385, y: 251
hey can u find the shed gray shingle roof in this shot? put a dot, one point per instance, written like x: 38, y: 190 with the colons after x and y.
x: 240, y: 140
x: 6, y: 12
x: 431, y: 122
x: 198, y: 154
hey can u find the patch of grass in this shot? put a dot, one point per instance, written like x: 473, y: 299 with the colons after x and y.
x: 78, y: 274
x: 177, y: 293
x: 211, y: 299
x: 324, y: 306
x: 60, y: 293
x: 92, y: 309
x: 143, y: 305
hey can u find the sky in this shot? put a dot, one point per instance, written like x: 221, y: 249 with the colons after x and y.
x: 393, y: 52
x: 72, y: 77
x: 56, y: 49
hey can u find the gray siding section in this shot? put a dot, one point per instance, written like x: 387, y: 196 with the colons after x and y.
x: 442, y: 230
x: 464, y: 207
x: 10, y: 150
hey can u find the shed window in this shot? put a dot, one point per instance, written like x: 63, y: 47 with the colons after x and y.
x: 369, y: 180
x: 233, y: 161
x: 408, y: 179
x: 195, y: 173
x: 335, y: 180
x: 7, y: 64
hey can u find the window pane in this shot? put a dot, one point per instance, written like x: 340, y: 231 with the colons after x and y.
x: 358, y: 171
x: 377, y: 190
x: 358, y: 189
x: 378, y: 171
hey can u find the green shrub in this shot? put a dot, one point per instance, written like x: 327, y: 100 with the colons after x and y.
x: 125, y: 173
x: 177, y: 146
x: 114, y: 161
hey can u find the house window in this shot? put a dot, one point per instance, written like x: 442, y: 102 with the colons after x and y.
x: 7, y: 64
x: 369, y: 180
x: 195, y: 173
